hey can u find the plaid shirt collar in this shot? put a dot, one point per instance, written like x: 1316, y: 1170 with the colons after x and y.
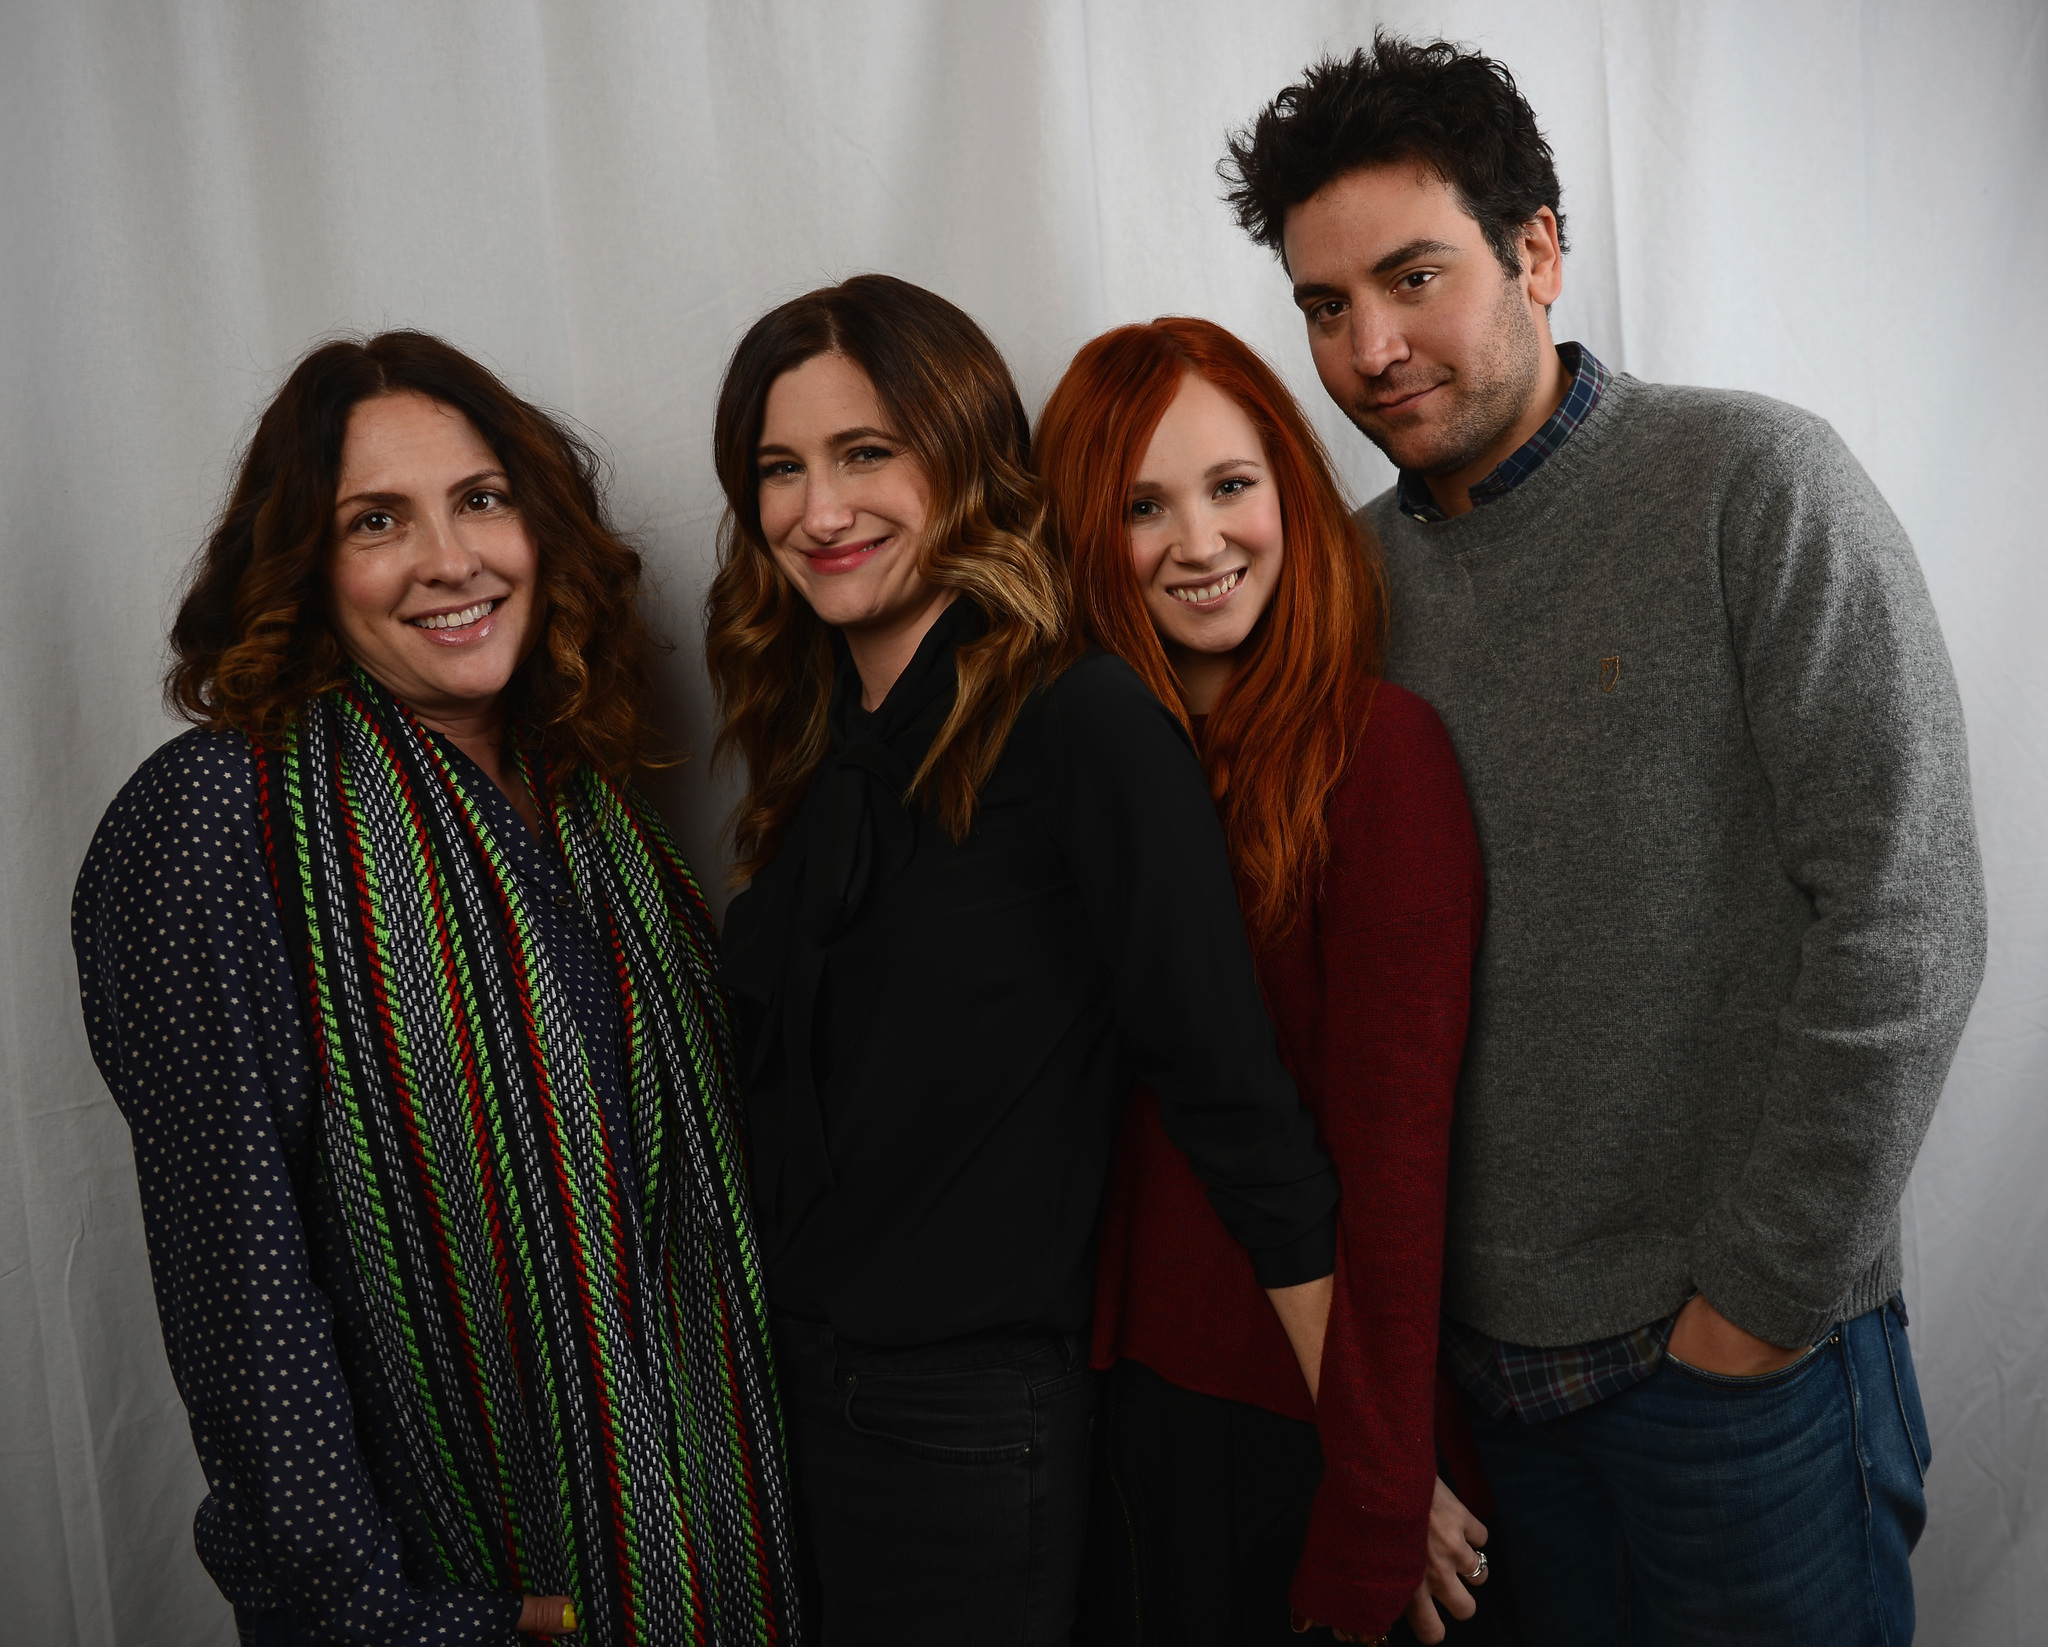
x: 1589, y: 380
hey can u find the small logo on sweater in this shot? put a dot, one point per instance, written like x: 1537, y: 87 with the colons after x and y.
x: 1610, y: 673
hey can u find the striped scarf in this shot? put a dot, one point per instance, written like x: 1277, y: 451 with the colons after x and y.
x: 583, y: 1382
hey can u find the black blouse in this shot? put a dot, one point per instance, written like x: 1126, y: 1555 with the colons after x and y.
x: 940, y: 1036
x: 195, y: 1022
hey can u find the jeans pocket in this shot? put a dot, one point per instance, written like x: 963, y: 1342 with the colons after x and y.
x: 976, y: 1417
x: 1735, y: 1383
x: 1057, y: 1370
x: 1046, y: 1391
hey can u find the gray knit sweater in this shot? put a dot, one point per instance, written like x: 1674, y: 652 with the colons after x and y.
x: 1735, y: 915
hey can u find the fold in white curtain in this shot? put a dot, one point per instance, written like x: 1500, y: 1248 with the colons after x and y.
x: 1839, y: 204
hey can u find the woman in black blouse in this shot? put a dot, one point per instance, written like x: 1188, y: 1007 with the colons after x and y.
x: 986, y: 890
x: 409, y: 1004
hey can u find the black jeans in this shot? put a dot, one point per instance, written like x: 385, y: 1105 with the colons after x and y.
x: 267, y: 1630
x: 941, y: 1491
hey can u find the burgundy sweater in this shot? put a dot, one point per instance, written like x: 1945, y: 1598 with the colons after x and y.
x: 1368, y: 995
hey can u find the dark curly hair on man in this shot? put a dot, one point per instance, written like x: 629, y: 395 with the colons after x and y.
x: 1451, y: 110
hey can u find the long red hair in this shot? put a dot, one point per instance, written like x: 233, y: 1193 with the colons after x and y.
x: 1283, y: 730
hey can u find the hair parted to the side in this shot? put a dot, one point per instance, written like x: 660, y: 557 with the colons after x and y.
x: 949, y: 396
x: 1283, y: 729
x: 1453, y: 111
x: 252, y: 641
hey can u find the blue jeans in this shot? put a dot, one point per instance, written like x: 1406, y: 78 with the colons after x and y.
x: 1697, y: 1508
x: 941, y: 1491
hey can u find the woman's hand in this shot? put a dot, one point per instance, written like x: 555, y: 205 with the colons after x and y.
x: 1455, y: 1535
x: 547, y: 1616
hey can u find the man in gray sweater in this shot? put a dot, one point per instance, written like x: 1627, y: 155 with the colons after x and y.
x: 1735, y: 913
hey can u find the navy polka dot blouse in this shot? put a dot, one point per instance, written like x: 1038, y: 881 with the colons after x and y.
x: 194, y: 1021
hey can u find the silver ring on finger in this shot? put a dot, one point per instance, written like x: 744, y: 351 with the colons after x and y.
x: 1477, y: 1572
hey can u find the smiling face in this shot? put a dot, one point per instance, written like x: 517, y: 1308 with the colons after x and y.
x: 432, y: 572
x: 1419, y: 335
x: 843, y: 499
x: 1206, y: 535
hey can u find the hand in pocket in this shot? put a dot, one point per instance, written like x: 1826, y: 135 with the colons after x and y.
x: 1705, y: 1339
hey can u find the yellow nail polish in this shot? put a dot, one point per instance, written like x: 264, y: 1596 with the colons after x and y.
x: 568, y: 1615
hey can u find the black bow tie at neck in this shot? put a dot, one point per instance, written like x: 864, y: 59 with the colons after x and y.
x: 858, y: 835
x: 851, y: 837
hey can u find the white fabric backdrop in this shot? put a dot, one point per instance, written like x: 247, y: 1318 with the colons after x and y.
x: 1840, y: 204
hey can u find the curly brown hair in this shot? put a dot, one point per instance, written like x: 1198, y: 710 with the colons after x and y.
x: 950, y: 398
x: 1455, y: 111
x: 253, y: 640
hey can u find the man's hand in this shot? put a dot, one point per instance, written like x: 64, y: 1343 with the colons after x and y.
x: 1455, y: 1535
x: 547, y: 1616
x: 1705, y: 1338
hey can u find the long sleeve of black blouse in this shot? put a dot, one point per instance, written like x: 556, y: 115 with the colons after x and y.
x: 195, y: 1025
x: 982, y: 1016
x: 1130, y: 809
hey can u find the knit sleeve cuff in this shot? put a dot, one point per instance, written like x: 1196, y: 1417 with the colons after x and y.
x: 1307, y: 1257
x: 1359, y: 1565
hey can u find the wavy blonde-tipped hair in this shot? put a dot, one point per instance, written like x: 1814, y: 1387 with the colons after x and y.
x: 950, y: 398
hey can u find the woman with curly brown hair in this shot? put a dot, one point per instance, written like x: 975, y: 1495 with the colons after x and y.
x: 409, y: 1002
x: 985, y: 887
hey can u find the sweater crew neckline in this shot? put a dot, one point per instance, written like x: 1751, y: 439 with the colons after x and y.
x: 1513, y: 516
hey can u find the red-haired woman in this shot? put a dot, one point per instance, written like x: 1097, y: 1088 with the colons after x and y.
x: 1210, y: 549
x: 409, y: 1004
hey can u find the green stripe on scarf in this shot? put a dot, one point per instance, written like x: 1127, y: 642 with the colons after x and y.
x: 584, y: 1385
